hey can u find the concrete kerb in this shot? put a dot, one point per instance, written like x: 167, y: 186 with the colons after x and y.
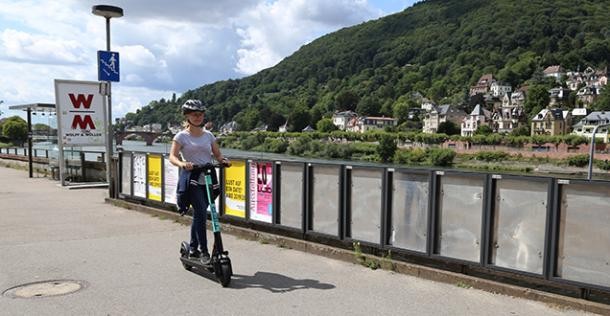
x: 462, y: 280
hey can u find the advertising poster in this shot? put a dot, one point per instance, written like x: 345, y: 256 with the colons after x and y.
x: 139, y: 175
x: 170, y: 181
x: 261, y: 191
x: 126, y: 175
x: 235, y: 189
x: 154, y: 178
x: 81, y: 118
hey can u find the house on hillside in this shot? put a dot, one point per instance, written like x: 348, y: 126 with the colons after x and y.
x: 507, y: 118
x: 585, y: 126
x: 555, y: 71
x: 340, y: 119
x: 427, y: 105
x: 261, y: 128
x: 440, y: 114
x: 483, y: 85
x: 478, y: 117
x: 283, y: 128
x: 551, y: 122
x: 308, y: 129
x: 499, y: 89
x: 558, y: 95
x: 228, y: 128
x: 586, y: 96
x: 369, y: 123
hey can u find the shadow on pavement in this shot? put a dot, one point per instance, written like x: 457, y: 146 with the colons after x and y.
x: 276, y: 283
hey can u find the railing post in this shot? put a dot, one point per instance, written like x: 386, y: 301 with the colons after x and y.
x: 82, y: 166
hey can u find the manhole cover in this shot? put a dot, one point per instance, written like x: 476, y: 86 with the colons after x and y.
x: 44, y: 289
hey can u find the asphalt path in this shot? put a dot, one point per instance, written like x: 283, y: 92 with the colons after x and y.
x: 128, y: 263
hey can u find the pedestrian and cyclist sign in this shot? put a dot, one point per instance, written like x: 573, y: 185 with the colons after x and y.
x: 107, y: 66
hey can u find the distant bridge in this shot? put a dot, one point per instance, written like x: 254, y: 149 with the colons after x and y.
x: 149, y: 137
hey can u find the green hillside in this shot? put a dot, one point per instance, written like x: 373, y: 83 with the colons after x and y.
x: 437, y: 48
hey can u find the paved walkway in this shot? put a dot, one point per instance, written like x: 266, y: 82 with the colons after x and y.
x: 129, y: 264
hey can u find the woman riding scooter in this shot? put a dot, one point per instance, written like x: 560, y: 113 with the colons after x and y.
x: 194, y: 146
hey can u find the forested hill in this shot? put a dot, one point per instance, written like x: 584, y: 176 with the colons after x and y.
x: 437, y: 48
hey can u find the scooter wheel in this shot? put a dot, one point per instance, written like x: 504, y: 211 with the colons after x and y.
x: 225, y: 274
x: 187, y: 267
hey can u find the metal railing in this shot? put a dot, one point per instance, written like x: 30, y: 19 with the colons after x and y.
x: 544, y: 230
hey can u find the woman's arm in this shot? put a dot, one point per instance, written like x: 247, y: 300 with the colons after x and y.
x: 174, y: 157
x: 217, y: 154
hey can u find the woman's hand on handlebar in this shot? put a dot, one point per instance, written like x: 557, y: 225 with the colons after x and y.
x: 226, y: 162
x: 187, y: 165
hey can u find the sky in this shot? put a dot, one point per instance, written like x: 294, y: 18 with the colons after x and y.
x: 165, y: 47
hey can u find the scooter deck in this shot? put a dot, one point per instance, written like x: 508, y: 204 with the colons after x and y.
x: 195, y: 262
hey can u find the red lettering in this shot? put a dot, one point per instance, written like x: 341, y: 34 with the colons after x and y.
x: 80, y: 99
x: 82, y: 123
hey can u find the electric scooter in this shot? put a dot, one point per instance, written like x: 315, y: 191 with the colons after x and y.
x: 219, y: 264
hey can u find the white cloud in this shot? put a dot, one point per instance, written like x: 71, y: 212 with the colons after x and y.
x: 164, y: 47
x: 276, y: 29
x: 41, y: 49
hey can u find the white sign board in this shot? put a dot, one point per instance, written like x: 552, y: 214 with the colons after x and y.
x: 81, y: 118
x: 139, y: 175
x: 170, y: 179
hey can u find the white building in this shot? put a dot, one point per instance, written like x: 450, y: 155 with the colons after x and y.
x: 478, y: 117
x: 585, y: 126
x: 369, y: 123
x: 440, y: 114
x: 228, y: 128
x: 499, y: 89
x: 341, y: 119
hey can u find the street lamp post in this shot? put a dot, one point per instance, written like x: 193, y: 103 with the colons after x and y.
x: 108, y: 12
x: 592, y: 149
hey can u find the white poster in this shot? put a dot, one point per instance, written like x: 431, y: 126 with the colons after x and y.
x: 81, y: 118
x: 139, y: 175
x: 126, y: 175
x: 170, y: 179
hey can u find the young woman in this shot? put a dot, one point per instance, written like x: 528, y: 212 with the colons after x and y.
x: 195, y: 146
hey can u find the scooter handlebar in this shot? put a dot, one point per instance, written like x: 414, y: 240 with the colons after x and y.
x: 224, y: 164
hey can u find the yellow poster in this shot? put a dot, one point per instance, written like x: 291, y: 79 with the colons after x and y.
x: 154, y: 178
x: 235, y: 189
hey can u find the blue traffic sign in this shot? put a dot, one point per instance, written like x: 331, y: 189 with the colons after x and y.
x: 107, y: 66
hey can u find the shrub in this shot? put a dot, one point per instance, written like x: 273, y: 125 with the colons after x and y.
x: 440, y: 156
x: 414, y: 156
x: 602, y: 164
x: 252, y: 140
x: 578, y: 160
x: 275, y: 145
x: 386, y: 148
x: 491, y: 156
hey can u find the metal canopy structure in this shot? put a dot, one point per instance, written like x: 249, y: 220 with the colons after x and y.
x: 33, y: 108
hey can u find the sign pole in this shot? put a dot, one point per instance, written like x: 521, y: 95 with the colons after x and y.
x: 109, y: 132
x: 108, y: 12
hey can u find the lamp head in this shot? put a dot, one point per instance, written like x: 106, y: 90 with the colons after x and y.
x: 107, y: 11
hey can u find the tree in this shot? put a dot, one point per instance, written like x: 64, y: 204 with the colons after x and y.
x: 326, y: 125
x: 16, y: 130
x: 386, y: 148
x: 346, y: 101
x: 603, y: 101
x: 523, y: 130
x: 298, y: 118
x: 402, y: 107
x: 537, y: 98
x: 483, y: 130
x: 368, y: 106
x: 448, y: 128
